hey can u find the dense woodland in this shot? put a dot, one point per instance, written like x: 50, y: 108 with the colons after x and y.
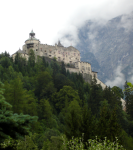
x: 41, y: 103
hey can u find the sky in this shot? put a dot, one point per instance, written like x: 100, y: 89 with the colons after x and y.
x: 51, y: 20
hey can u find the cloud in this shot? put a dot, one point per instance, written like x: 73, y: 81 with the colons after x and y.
x: 126, y: 22
x: 119, y: 78
x: 52, y: 20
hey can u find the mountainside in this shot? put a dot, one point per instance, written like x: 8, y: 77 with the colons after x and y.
x: 107, y: 45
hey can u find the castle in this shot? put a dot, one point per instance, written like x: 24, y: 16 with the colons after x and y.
x: 69, y: 55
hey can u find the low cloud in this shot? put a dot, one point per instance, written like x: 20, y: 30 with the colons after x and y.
x: 119, y: 78
x: 126, y: 22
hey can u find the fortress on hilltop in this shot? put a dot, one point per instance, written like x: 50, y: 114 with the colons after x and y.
x: 69, y: 55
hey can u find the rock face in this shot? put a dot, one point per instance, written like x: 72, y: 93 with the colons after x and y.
x: 107, y: 45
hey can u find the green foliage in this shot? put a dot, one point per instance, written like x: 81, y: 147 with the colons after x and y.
x: 31, y: 60
x: 108, y: 123
x: 27, y: 143
x: 16, y: 95
x: 44, y: 85
x: 78, y: 144
x: 44, y: 110
x: 89, y: 124
x: 96, y: 96
x: 118, y: 92
x: 61, y: 80
x: 130, y: 87
x: 5, y: 62
x: 13, y: 125
x: 129, y: 99
x: 64, y: 103
x: 73, y: 120
x: 65, y: 95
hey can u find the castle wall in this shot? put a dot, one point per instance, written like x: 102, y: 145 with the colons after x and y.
x: 87, y: 77
x: 22, y: 55
x: 101, y: 83
x: 32, y: 41
x: 94, y: 74
x: 72, y: 70
x: 69, y: 55
x: 123, y: 104
x: 84, y: 67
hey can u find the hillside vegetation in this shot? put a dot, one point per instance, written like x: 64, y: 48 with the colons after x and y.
x: 42, y: 107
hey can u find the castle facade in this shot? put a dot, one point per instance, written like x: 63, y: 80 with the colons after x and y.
x: 69, y: 55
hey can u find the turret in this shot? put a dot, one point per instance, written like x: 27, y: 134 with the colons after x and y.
x: 32, y: 40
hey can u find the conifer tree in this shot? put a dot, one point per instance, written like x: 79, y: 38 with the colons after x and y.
x: 12, y: 125
x: 89, y: 123
x: 16, y: 95
x: 108, y: 125
x: 31, y: 60
x: 63, y: 69
x: 73, y: 120
x: 44, y: 85
x: 96, y: 96
x: 127, y: 97
x: 44, y: 110
x: 68, y: 94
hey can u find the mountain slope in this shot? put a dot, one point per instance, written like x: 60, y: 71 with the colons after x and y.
x: 107, y: 45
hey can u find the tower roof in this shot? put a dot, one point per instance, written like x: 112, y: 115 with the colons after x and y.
x: 59, y: 44
x: 31, y: 31
x: 32, y: 36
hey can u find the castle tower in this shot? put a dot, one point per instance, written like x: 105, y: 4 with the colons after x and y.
x: 59, y: 44
x: 31, y: 34
x: 32, y: 42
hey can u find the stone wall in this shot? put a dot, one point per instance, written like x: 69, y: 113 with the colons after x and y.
x: 87, y: 77
x: 101, y: 83
x: 84, y: 67
x: 22, y: 55
x: 67, y: 54
x: 72, y: 70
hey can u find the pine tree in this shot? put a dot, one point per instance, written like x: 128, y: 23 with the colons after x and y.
x: 63, y: 69
x: 127, y: 97
x: 16, y: 95
x: 31, y: 60
x: 108, y: 125
x: 12, y: 125
x: 96, y: 96
x: 73, y: 120
x: 89, y: 124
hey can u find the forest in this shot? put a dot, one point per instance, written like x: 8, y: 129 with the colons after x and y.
x: 43, y: 107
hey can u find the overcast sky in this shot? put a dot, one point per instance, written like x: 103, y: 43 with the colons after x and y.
x: 52, y: 19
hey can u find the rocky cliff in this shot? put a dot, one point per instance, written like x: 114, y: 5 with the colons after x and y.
x: 107, y: 45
